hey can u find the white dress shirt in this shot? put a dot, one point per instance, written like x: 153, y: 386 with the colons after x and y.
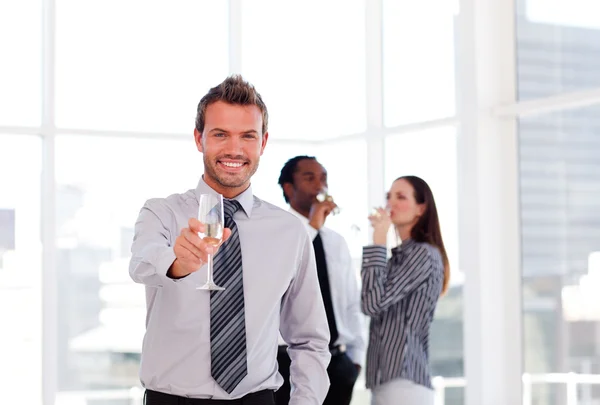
x: 281, y: 295
x: 345, y: 291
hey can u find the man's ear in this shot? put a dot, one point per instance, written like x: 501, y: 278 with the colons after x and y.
x: 288, y: 189
x: 198, y: 139
x: 264, y: 140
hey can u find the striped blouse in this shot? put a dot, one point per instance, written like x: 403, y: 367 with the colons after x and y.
x: 400, y: 296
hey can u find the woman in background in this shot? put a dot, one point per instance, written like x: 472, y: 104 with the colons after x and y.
x: 400, y: 294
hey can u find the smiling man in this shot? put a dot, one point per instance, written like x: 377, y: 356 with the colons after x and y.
x: 211, y: 347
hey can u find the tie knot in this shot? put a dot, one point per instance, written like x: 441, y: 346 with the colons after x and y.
x: 230, y: 207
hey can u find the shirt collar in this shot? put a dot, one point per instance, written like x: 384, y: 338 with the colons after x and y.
x: 404, y: 245
x: 408, y: 242
x: 246, y: 198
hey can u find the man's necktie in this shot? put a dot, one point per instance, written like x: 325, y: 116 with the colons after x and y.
x: 325, y: 287
x: 227, y: 320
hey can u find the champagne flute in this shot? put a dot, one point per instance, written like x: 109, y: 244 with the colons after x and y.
x: 325, y: 196
x: 375, y: 212
x: 210, y: 213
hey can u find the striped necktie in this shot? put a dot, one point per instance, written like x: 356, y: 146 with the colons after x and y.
x: 227, y: 320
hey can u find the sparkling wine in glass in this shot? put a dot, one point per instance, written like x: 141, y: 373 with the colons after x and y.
x: 210, y: 213
x: 325, y: 196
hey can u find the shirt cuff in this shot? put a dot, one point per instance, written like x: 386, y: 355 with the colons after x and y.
x: 374, y: 255
x: 163, y: 261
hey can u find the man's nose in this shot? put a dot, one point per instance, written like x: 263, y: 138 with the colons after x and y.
x: 234, y: 145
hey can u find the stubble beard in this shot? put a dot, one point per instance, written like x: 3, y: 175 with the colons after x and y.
x: 210, y: 169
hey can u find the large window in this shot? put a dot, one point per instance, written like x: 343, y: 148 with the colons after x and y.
x: 560, y: 196
x: 96, y: 100
x: 557, y: 49
x: 20, y: 269
x: 119, y: 83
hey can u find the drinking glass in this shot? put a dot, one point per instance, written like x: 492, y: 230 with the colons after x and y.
x: 325, y: 196
x: 210, y: 213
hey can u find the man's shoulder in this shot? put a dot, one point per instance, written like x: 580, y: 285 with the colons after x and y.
x: 269, y: 209
x: 173, y: 202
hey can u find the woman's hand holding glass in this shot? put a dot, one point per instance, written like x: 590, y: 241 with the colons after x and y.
x: 380, y: 221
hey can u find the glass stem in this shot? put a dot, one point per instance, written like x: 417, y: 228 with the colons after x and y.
x: 209, y: 264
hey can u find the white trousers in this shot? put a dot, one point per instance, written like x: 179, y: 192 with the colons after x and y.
x: 402, y: 392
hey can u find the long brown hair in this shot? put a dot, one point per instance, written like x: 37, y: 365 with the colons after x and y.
x: 427, y: 228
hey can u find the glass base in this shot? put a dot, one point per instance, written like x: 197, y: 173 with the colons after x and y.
x: 210, y: 286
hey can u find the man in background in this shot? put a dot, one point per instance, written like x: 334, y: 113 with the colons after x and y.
x: 302, y: 178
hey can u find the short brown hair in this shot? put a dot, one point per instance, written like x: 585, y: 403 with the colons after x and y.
x: 233, y: 90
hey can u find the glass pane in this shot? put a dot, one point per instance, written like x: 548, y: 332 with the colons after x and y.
x: 411, y: 154
x: 313, y: 79
x: 559, y: 174
x: 557, y: 46
x: 348, y: 184
x: 418, y: 60
x: 147, y: 72
x: 20, y: 270
x: 20, y: 69
x: 101, y: 185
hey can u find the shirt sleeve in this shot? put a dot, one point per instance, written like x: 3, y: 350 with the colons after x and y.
x: 386, y: 284
x: 304, y: 328
x: 151, y: 252
x: 356, y: 348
